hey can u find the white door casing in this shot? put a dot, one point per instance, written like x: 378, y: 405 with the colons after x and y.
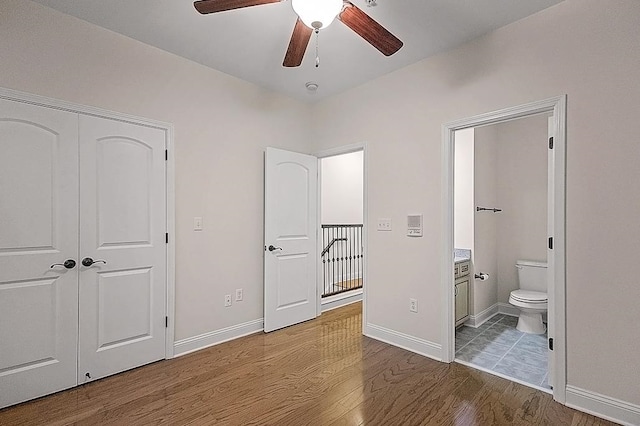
x: 38, y: 228
x: 291, y: 196
x: 122, y: 222
x: 557, y: 208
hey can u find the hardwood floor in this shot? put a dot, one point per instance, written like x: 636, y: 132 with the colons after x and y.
x: 322, y: 372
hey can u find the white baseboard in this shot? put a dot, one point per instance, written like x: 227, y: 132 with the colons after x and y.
x: 603, y: 406
x: 508, y: 309
x: 340, y: 300
x: 477, y: 320
x: 404, y: 341
x: 195, y: 343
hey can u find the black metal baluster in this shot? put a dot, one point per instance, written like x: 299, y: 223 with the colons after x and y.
x: 360, y: 270
x: 335, y: 265
x: 351, y: 265
x: 349, y: 252
x: 342, y: 263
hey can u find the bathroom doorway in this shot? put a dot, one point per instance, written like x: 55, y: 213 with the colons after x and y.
x: 504, y: 193
x: 500, y: 219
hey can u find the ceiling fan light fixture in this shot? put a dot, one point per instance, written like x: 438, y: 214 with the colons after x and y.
x: 317, y: 14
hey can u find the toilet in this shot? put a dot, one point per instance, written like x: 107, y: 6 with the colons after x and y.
x: 531, y: 297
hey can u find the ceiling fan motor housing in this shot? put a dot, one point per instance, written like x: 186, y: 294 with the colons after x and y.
x: 317, y: 14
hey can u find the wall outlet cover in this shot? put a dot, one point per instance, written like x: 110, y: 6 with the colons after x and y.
x: 227, y: 300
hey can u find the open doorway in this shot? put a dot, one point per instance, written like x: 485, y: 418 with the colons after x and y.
x: 485, y: 297
x: 341, y: 232
x: 500, y: 238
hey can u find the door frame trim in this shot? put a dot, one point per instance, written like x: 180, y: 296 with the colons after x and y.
x: 557, y: 106
x: 43, y: 101
x: 332, y: 152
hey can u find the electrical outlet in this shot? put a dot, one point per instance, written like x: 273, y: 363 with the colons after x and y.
x: 384, y: 224
x: 227, y: 300
x: 238, y: 294
x: 413, y: 305
x: 197, y: 224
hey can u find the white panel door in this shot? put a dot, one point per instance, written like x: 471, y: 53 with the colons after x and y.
x: 38, y: 228
x: 122, y: 229
x: 290, y: 292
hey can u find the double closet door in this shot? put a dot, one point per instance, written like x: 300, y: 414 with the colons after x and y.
x: 82, y: 248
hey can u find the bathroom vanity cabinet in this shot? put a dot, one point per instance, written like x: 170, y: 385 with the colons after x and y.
x: 462, y: 277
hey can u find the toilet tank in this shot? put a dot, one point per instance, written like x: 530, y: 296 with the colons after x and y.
x: 532, y: 275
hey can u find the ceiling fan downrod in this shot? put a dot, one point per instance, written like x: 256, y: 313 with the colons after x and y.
x: 317, y: 48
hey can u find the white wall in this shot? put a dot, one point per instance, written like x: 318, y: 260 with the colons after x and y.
x: 463, y: 190
x: 342, y: 188
x: 522, y: 194
x: 587, y: 49
x: 485, y: 256
x: 222, y: 125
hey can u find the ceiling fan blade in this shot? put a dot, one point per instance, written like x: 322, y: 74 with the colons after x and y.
x: 297, y: 45
x: 213, y: 6
x: 367, y: 28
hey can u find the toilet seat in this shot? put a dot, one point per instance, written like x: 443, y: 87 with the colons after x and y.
x: 530, y: 297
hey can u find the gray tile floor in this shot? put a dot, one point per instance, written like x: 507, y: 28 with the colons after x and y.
x: 497, y: 346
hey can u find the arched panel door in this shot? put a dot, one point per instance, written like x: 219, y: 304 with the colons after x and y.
x: 290, y: 291
x: 38, y: 233
x: 122, y: 266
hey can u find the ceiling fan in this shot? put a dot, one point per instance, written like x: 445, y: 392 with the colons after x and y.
x: 314, y: 15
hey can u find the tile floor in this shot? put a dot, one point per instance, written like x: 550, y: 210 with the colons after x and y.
x: 497, y: 346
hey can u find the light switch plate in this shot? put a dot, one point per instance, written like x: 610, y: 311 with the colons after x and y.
x: 384, y: 224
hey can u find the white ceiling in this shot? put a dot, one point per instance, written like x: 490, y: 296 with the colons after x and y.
x: 250, y: 43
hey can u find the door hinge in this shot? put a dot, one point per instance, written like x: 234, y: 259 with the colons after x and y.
x: 551, y: 343
x: 551, y: 243
x: 551, y: 142
x: 166, y: 322
x: 166, y: 154
x: 167, y: 237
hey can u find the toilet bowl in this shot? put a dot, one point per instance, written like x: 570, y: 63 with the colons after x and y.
x: 531, y: 298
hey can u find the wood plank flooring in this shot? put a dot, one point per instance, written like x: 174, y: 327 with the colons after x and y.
x: 322, y: 372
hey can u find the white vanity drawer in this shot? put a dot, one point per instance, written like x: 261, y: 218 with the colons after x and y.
x: 462, y: 269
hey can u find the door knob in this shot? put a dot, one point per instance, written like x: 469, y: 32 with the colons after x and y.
x: 272, y: 248
x: 87, y: 261
x: 69, y: 264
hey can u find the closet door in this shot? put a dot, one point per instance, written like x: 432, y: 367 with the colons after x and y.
x: 38, y: 233
x: 122, y: 231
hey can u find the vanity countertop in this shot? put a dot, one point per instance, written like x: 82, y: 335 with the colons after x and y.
x: 461, y: 255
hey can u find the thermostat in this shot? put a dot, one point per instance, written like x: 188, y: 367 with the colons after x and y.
x: 414, y: 225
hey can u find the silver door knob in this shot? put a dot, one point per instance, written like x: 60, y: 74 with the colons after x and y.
x: 87, y: 261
